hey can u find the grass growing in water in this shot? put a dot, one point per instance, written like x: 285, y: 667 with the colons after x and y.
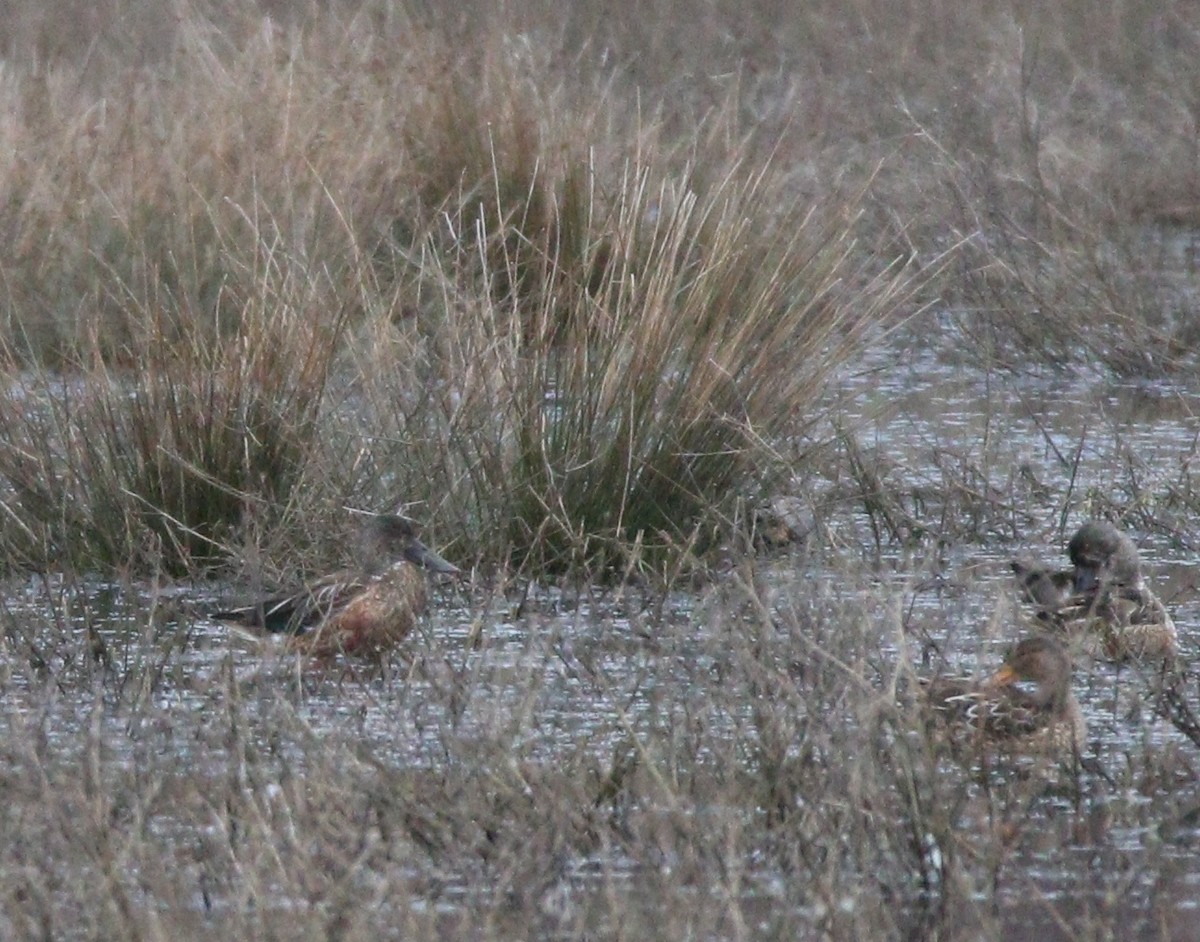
x: 641, y: 407
x: 281, y: 265
x: 580, y: 359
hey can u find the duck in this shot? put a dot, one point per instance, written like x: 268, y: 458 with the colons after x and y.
x: 1024, y: 708
x: 1111, y: 598
x: 1102, y: 600
x: 366, y: 610
x: 1049, y: 590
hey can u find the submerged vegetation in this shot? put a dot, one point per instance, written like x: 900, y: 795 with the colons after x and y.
x: 582, y: 287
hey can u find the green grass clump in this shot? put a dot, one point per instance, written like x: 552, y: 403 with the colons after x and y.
x: 653, y: 412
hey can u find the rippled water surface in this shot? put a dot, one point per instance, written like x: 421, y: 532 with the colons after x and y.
x: 563, y: 672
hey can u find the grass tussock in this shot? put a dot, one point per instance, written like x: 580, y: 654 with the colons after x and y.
x: 584, y: 356
x: 640, y: 405
x: 149, y: 460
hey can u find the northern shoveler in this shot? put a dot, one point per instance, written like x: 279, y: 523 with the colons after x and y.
x: 1112, y: 598
x: 1103, y: 556
x: 1047, y: 589
x: 1026, y: 707
x: 1102, y: 598
x: 363, y: 611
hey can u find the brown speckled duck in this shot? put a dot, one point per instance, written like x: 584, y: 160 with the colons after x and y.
x: 1111, y: 597
x: 364, y: 611
x: 1103, y: 597
x: 1026, y: 707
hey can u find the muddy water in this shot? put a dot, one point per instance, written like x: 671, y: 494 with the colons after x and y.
x: 569, y: 672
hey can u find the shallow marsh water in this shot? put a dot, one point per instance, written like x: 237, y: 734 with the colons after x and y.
x: 191, y: 738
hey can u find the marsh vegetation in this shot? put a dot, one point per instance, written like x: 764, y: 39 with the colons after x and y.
x: 734, y: 350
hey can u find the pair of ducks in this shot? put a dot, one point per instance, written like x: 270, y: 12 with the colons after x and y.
x: 1028, y: 706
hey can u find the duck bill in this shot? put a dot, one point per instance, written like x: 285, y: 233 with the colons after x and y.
x: 1005, y: 677
x: 422, y: 555
x: 1086, y: 580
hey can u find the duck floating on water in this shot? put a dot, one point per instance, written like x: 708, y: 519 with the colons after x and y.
x: 1104, y: 595
x: 362, y: 611
x: 1026, y: 707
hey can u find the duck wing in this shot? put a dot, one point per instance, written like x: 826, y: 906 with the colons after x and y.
x: 295, y: 612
